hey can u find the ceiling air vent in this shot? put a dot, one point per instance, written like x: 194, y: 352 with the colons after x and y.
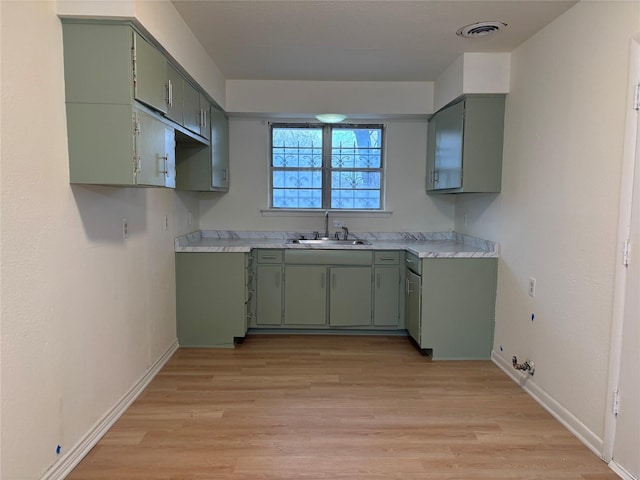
x: 480, y: 29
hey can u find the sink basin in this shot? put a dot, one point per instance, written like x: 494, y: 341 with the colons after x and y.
x: 327, y: 241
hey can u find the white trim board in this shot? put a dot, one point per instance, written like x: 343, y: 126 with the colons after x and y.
x: 566, y: 418
x: 72, y: 458
x: 620, y: 471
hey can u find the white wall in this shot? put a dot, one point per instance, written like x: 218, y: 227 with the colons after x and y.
x: 412, y: 210
x: 84, y: 313
x: 556, y: 218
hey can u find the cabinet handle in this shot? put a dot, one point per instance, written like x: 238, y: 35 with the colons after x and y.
x: 169, y: 98
x: 387, y: 259
x: 268, y: 257
x: 408, y: 286
x: 436, y: 176
x: 333, y: 281
x: 224, y: 174
x: 165, y: 161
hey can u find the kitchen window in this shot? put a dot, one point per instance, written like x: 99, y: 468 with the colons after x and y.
x: 327, y: 166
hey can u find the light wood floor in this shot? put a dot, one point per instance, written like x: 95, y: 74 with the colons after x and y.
x: 331, y: 407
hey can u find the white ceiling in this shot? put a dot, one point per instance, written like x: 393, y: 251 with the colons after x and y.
x: 350, y: 40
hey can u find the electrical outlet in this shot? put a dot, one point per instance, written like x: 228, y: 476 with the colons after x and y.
x: 125, y: 228
x: 166, y: 222
x: 532, y: 287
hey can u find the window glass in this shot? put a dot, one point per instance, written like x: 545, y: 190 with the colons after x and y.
x: 346, y: 174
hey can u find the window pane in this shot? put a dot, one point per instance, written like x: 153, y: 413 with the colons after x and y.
x: 297, y: 198
x: 355, y: 180
x: 297, y: 147
x: 356, y: 148
x: 297, y: 179
x: 361, y: 199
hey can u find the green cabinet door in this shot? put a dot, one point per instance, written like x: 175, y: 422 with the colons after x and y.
x: 448, y: 147
x: 305, y: 295
x: 386, y: 294
x: 458, y: 307
x: 191, y: 108
x: 219, y: 150
x: 431, y: 154
x: 175, y: 87
x: 210, y: 298
x: 269, y: 295
x: 413, y: 304
x: 150, y: 74
x: 155, y: 151
x: 97, y: 63
x: 350, y: 296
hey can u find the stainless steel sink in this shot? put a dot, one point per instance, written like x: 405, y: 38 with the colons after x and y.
x: 327, y: 241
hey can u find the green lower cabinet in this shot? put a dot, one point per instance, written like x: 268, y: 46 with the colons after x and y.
x: 386, y: 294
x: 305, y: 295
x: 269, y: 295
x: 458, y: 307
x: 350, y: 297
x: 210, y: 298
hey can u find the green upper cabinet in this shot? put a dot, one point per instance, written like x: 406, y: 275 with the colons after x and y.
x: 149, y: 74
x: 206, y: 168
x: 464, y: 151
x: 119, y: 145
x: 128, y: 106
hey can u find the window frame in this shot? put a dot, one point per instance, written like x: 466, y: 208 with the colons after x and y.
x: 326, y: 167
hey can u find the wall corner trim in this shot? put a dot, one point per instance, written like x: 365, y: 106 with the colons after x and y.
x: 72, y: 458
x: 560, y: 413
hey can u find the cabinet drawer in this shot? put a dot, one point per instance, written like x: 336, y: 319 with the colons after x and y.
x: 386, y: 257
x: 328, y: 257
x: 269, y: 256
x: 414, y: 263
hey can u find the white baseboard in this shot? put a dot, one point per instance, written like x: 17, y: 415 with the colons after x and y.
x: 69, y: 460
x: 622, y: 473
x: 575, y: 426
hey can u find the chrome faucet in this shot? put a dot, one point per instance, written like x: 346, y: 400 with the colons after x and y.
x: 346, y: 232
x: 326, y: 224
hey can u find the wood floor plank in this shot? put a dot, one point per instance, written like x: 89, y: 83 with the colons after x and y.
x: 335, y: 407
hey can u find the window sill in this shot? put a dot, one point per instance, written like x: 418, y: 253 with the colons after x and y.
x: 282, y: 212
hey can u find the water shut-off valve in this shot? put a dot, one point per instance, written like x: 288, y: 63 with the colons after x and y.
x: 526, y: 366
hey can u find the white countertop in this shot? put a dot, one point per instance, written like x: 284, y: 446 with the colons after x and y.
x: 424, y: 245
